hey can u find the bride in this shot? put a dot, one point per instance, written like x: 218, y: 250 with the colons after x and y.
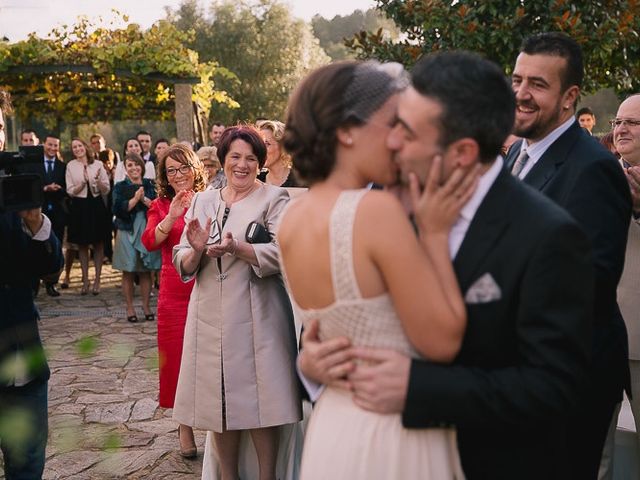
x: 353, y: 261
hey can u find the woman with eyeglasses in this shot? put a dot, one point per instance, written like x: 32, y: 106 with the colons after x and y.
x: 237, y: 376
x: 180, y: 175
x: 131, y: 199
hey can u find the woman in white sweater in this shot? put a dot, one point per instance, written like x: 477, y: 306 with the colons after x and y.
x: 87, y: 181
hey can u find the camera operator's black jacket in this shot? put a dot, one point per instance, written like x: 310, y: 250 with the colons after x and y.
x: 23, y: 260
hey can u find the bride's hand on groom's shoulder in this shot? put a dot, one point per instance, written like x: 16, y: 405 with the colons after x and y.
x: 380, y: 384
x: 438, y: 205
x: 325, y: 362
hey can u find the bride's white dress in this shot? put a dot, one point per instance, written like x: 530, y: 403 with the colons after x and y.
x: 343, y: 441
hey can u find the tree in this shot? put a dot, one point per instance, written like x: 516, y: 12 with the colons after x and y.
x: 333, y: 33
x: 261, y: 43
x: 86, y: 72
x: 608, y: 31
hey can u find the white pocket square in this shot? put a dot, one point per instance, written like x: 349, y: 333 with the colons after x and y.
x: 484, y: 290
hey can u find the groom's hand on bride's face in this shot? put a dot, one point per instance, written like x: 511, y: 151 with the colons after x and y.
x: 380, y: 384
x: 325, y: 362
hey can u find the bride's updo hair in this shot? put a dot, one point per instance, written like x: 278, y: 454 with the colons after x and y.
x: 337, y: 95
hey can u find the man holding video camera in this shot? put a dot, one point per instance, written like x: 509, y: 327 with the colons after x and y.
x: 28, y: 250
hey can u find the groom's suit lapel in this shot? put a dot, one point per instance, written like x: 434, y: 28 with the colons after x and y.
x: 490, y: 220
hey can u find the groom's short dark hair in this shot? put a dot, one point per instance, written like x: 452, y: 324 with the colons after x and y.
x: 475, y: 96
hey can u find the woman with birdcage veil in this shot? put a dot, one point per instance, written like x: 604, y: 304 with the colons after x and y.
x: 355, y: 268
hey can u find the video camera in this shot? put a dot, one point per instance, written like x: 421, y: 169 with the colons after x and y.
x: 21, y: 179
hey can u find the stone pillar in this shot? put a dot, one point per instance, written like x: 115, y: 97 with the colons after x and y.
x: 184, y: 114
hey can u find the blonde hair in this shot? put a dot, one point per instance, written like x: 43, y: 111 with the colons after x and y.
x: 88, y: 150
x: 277, y: 129
x: 209, y: 153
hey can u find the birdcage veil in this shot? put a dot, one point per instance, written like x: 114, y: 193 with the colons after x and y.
x: 373, y: 83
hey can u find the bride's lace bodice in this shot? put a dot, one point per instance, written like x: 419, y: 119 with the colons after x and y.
x: 370, y: 322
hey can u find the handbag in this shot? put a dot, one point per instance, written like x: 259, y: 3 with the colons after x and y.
x: 257, y: 233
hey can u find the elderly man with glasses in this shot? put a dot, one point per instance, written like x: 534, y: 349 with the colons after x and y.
x: 626, y: 138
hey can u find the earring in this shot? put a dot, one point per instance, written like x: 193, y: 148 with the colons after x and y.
x: 349, y: 141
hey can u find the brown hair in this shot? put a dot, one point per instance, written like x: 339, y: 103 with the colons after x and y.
x: 89, y: 151
x: 247, y: 133
x: 316, y: 110
x: 106, y: 155
x: 607, y: 141
x: 184, y: 155
x: 134, y: 157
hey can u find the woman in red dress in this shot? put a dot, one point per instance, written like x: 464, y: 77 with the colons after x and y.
x: 180, y: 174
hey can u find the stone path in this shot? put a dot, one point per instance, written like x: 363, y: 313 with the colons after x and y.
x: 104, y: 419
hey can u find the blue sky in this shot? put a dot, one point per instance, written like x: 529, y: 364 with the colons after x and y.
x: 19, y: 17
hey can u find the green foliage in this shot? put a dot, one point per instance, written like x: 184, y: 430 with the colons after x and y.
x: 115, y: 73
x: 608, y: 31
x: 267, y: 49
x: 86, y: 346
x: 112, y: 442
x: 16, y: 426
x: 333, y: 33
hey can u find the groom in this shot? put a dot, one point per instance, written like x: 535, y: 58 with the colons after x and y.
x: 524, y: 268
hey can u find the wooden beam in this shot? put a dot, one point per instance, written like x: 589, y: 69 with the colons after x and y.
x: 184, y: 113
x: 45, y: 69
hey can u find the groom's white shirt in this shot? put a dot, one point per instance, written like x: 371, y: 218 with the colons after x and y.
x: 456, y: 236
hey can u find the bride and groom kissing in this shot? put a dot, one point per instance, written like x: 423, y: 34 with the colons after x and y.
x: 480, y: 328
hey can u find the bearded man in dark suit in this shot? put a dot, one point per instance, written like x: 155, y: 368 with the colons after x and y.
x: 575, y: 171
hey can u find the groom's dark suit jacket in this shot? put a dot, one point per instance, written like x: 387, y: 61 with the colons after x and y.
x: 525, y: 353
x: 581, y: 176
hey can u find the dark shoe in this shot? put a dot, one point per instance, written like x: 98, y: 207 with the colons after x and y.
x: 132, y: 318
x: 188, y: 448
x: 64, y: 285
x: 51, y: 290
x: 149, y: 317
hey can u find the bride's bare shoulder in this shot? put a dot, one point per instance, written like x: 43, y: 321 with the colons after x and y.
x: 298, y: 208
x: 381, y: 203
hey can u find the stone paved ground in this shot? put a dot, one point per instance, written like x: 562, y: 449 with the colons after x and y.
x: 104, y: 419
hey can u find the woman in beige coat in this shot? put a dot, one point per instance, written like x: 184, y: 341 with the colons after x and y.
x: 238, y: 363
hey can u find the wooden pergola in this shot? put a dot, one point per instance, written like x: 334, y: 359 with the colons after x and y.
x: 188, y: 123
